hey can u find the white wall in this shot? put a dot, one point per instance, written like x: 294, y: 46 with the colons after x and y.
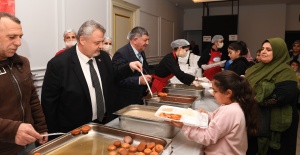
x: 263, y: 23
x: 256, y: 22
x: 44, y: 21
x: 164, y: 21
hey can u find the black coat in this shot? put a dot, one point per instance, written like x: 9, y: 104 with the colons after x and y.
x: 129, y: 90
x: 169, y: 65
x: 239, y: 65
x: 65, y: 95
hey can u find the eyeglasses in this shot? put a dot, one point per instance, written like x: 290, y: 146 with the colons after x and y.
x: 107, y: 43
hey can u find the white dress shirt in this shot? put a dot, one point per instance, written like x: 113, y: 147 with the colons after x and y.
x: 87, y: 74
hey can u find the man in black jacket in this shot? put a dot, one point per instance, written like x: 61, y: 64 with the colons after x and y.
x: 69, y: 98
x: 132, y: 89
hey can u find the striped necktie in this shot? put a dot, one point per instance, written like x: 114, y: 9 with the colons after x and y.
x: 98, y: 90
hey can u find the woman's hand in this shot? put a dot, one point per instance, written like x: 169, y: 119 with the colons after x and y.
x: 176, y: 124
x: 201, y: 110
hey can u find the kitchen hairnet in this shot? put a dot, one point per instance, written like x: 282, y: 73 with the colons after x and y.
x: 179, y: 42
x: 216, y: 38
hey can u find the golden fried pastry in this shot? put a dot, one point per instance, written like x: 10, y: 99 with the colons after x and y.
x: 147, y: 151
x: 141, y: 153
x: 131, y: 153
x: 37, y: 153
x: 127, y: 139
x: 112, y: 153
x: 141, y: 147
x: 124, y: 152
x: 161, y: 94
x: 153, y: 150
x: 117, y: 143
x: 151, y: 145
x: 153, y: 153
x: 125, y: 145
x: 120, y: 149
x: 85, y: 129
x: 111, y: 148
x: 158, y: 148
x: 76, y: 132
x: 132, y: 149
x: 170, y: 116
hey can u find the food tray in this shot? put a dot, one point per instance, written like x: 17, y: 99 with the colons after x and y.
x: 182, y: 89
x: 95, y: 142
x: 172, y: 100
x: 189, y: 116
x: 141, y: 119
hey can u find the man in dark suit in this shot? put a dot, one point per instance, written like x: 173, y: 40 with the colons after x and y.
x: 132, y: 89
x: 69, y: 97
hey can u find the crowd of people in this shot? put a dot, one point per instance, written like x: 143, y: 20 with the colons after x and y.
x: 258, y: 98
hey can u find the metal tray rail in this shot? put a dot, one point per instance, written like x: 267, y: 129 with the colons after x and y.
x: 181, y: 89
x: 182, y: 101
x: 143, y: 125
x: 95, y: 142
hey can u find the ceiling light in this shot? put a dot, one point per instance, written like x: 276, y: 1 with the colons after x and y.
x: 202, y: 1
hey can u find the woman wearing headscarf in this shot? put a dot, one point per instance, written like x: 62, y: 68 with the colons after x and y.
x: 168, y: 67
x: 275, y: 85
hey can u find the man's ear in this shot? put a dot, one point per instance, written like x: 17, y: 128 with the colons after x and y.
x: 82, y: 40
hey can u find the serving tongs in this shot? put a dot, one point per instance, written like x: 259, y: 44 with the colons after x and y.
x: 52, y: 134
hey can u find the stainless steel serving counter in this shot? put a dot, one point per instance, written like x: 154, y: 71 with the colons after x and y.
x: 180, y: 144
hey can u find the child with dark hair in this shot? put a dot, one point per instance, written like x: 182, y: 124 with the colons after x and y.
x: 230, y: 123
x: 257, y: 57
x: 239, y: 64
x: 295, y: 65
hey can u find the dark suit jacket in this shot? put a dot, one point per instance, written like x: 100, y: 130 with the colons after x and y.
x: 65, y: 96
x: 129, y: 90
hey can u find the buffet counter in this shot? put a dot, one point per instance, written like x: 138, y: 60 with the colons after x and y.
x: 97, y: 139
x: 181, y: 145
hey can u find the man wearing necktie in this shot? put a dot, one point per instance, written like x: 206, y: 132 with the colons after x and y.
x: 79, y: 86
x: 132, y: 89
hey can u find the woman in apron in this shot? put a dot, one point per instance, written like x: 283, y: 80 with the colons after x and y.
x: 210, y: 60
x: 169, y: 67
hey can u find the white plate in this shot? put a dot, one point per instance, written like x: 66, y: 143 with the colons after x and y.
x: 189, y: 117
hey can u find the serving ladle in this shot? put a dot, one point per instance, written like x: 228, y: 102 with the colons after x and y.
x: 153, y: 98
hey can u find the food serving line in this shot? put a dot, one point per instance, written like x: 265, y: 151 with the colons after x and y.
x: 180, y: 144
x: 149, y: 129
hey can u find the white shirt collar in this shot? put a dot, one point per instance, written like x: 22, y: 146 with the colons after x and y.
x: 81, y: 56
x: 134, y: 50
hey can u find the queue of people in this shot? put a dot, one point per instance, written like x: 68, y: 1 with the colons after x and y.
x: 258, y: 112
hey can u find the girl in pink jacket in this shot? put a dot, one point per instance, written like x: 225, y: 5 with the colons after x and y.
x: 231, y: 122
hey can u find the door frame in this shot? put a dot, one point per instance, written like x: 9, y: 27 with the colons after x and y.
x: 126, y: 6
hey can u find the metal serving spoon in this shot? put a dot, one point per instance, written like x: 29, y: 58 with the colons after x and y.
x: 147, y: 84
x: 53, y: 134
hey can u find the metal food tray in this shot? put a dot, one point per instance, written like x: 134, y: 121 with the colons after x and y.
x: 145, y: 125
x: 172, y: 100
x: 182, y: 89
x: 94, y: 142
